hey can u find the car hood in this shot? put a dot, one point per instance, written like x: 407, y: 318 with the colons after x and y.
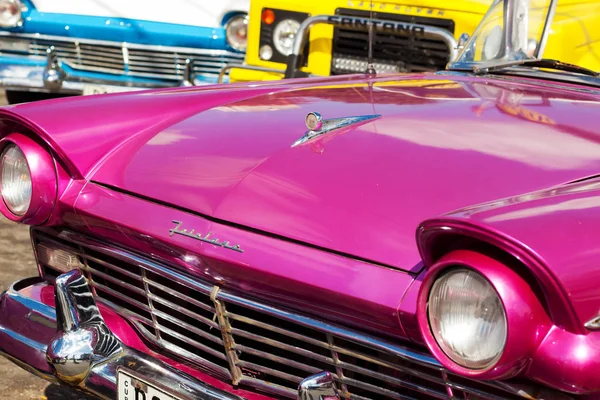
x: 438, y: 145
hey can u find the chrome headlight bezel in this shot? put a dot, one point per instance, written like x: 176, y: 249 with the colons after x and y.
x: 232, y: 27
x: 11, y: 20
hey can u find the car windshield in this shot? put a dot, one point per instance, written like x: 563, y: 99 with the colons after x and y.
x: 512, y: 31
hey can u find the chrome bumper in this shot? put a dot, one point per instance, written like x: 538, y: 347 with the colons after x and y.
x: 72, y: 345
x: 34, y: 78
x: 82, y: 352
x: 52, y: 76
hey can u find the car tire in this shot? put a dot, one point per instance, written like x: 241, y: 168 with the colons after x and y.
x: 20, y: 96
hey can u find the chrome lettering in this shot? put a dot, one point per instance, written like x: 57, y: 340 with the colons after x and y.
x: 388, y: 26
x: 203, y: 238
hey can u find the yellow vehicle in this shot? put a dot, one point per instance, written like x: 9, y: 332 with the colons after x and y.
x: 406, y: 36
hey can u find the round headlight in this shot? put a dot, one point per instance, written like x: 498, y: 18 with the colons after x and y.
x: 467, y: 318
x: 10, y: 13
x: 284, y: 35
x: 492, y: 44
x: 236, y: 32
x: 16, y: 186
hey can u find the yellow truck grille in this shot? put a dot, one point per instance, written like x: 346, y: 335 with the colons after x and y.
x: 392, y: 52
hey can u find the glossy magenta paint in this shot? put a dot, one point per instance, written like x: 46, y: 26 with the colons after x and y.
x: 43, y: 180
x: 328, y: 227
x: 348, y: 291
x: 245, y: 170
x: 555, y: 231
x: 394, y: 169
x: 527, y: 322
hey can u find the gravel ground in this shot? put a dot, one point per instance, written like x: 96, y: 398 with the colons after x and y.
x: 17, y: 262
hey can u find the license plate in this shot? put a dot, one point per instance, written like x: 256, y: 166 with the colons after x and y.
x: 133, y: 387
x: 89, y: 89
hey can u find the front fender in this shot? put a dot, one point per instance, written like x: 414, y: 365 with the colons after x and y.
x: 553, y: 232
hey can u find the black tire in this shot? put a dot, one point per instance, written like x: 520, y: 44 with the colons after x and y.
x: 19, y: 96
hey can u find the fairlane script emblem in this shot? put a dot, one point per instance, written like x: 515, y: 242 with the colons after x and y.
x: 203, y: 238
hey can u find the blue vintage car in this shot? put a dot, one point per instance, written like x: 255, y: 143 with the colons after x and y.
x: 52, y: 48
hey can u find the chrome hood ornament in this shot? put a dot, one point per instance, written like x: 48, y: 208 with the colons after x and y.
x: 317, y: 126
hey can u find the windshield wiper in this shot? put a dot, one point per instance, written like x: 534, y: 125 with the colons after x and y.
x: 543, y: 63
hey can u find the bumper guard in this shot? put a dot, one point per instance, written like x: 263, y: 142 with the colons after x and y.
x: 86, y: 355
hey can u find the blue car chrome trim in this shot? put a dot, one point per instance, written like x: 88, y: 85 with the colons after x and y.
x: 100, y: 61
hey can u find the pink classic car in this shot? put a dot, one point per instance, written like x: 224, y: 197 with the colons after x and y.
x: 430, y: 236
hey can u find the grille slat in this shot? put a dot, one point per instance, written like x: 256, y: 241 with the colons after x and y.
x: 283, y: 346
x: 272, y: 349
x: 109, y: 266
x: 191, y: 314
x: 352, y: 367
x: 272, y: 372
x: 116, y: 281
x: 191, y: 342
x: 388, y: 379
x: 278, y: 330
x: 153, y: 62
x: 384, y: 392
x: 281, y: 360
x: 181, y: 295
x: 191, y: 328
x: 120, y: 296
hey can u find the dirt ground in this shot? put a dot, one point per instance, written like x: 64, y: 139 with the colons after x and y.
x: 17, y: 262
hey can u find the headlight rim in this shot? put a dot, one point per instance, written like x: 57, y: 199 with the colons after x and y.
x: 19, y: 19
x: 527, y: 320
x: 5, y: 203
x: 44, y: 180
x: 458, y: 267
x: 230, y: 21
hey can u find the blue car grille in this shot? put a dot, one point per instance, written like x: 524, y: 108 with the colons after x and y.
x: 132, y: 60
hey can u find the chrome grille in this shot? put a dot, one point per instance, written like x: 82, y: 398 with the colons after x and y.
x: 140, y: 61
x: 252, y: 344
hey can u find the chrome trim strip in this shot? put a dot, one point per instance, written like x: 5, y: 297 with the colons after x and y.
x: 29, y: 303
x: 166, y: 64
x: 593, y: 324
x: 39, y: 347
x: 118, y: 45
